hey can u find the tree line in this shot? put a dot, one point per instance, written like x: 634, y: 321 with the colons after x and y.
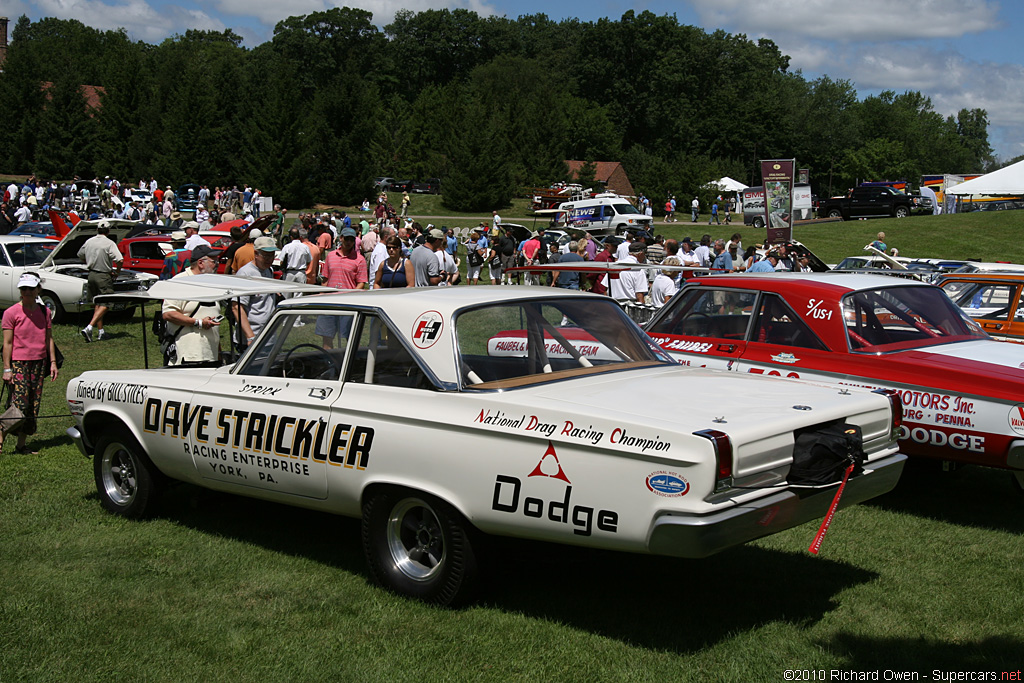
x: 490, y: 105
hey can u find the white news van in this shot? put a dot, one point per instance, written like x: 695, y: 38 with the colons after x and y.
x: 604, y: 213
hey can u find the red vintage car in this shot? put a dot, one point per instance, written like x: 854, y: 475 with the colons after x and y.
x: 962, y: 391
x: 147, y: 252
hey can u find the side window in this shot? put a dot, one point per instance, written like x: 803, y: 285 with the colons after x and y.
x: 3, y: 258
x: 778, y: 324
x: 991, y: 302
x: 381, y: 358
x: 146, y: 250
x: 292, y: 348
x: 718, y: 313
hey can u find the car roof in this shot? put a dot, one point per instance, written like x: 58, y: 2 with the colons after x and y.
x: 1015, y: 276
x: 450, y: 298
x: 12, y: 239
x: 836, y: 281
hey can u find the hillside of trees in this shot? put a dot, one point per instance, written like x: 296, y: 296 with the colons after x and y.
x: 489, y: 105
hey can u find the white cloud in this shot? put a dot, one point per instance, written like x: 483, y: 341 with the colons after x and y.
x: 952, y: 81
x: 843, y: 20
x: 140, y: 19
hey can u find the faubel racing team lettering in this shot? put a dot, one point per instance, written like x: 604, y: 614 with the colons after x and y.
x: 217, y: 430
x: 567, y: 428
x: 682, y: 345
x: 113, y: 392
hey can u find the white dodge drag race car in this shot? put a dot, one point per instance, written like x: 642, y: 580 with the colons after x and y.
x: 435, y: 413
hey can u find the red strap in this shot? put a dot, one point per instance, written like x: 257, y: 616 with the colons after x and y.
x: 820, y: 536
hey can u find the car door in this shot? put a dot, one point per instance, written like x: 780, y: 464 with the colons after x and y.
x: 8, y: 279
x: 707, y: 326
x: 275, y: 423
x: 147, y: 256
x: 781, y: 344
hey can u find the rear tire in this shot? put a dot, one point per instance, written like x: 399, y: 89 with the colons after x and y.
x: 835, y: 213
x: 126, y: 480
x: 419, y: 547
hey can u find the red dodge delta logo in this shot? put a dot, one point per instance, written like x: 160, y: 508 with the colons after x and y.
x: 427, y: 329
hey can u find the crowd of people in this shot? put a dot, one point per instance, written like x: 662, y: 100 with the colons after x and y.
x: 24, y: 202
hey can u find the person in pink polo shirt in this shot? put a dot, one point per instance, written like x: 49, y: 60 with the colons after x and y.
x: 28, y: 344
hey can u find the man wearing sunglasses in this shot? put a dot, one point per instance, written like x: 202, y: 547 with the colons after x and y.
x: 193, y: 324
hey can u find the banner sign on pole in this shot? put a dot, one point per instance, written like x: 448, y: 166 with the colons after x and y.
x: 777, y: 176
x: 804, y: 176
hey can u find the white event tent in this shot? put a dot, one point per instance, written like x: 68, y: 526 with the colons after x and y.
x: 1005, y: 181
x: 727, y: 184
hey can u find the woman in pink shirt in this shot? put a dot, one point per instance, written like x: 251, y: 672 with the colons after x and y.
x: 27, y: 344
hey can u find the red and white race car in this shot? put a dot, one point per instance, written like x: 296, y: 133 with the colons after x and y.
x: 962, y: 391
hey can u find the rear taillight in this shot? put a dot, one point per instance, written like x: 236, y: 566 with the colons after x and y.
x: 723, y: 457
x: 896, y: 403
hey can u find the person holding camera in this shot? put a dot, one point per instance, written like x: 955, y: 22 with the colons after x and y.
x: 193, y: 324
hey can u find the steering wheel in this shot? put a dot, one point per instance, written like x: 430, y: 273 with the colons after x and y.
x: 298, y: 366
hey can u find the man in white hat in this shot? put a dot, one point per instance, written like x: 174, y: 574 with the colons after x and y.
x: 192, y: 238
x: 194, y: 323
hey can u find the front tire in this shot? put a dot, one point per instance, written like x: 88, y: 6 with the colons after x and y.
x: 419, y: 546
x: 902, y: 212
x: 758, y: 222
x: 51, y: 301
x: 126, y: 480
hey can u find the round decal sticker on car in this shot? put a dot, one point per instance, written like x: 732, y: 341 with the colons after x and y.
x: 1016, y: 418
x: 427, y: 329
x: 667, y: 484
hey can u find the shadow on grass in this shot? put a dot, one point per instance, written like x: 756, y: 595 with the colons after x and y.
x: 664, y: 603
x: 329, y: 539
x: 980, y: 497
x: 998, y: 654
x: 654, y: 602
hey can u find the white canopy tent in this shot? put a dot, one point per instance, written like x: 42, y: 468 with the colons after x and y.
x: 1005, y: 181
x: 727, y: 184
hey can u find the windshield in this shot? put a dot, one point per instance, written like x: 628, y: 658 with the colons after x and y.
x: 625, y: 208
x: 852, y: 263
x: 24, y: 254
x: 899, y: 318
x: 528, y: 342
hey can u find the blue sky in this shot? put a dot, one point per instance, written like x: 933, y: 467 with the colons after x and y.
x: 960, y: 53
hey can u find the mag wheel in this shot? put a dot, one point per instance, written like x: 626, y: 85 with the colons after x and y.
x: 126, y: 480
x: 419, y: 547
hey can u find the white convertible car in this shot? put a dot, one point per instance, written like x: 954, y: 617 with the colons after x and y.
x: 438, y: 413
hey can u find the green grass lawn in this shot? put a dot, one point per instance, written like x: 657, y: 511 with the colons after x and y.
x: 221, y: 588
